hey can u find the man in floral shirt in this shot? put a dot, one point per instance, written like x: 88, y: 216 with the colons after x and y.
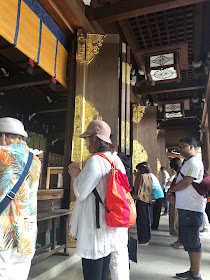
x: 18, y: 222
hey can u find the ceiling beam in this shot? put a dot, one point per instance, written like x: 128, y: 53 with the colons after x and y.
x: 181, y: 118
x: 23, y: 85
x: 68, y: 14
x: 198, y: 32
x: 57, y: 16
x: 74, y: 13
x: 133, y: 8
x: 131, y: 43
x: 53, y: 110
x: 171, y: 87
x: 173, y: 101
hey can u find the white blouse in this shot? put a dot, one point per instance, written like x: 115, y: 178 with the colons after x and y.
x: 93, y: 243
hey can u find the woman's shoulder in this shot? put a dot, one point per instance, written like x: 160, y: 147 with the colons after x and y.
x: 96, y: 160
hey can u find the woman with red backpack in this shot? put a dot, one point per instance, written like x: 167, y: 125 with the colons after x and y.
x: 95, y: 245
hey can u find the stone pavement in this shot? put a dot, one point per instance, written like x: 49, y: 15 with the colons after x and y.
x: 157, y: 261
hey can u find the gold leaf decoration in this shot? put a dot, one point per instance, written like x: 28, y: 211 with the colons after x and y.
x: 128, y: 74
x: 71, y: 238
x: 139, y: 153
x: 158, y: 166
x: 78, y: 129
x: 123, y: 134
x: 93, y: 44
x: 123, y: 72
x: 71, y: 207
x: 90, y: 114
x: 127, y: 135
x: 84, y: 114
x: 81, y: 45
x: 138, y: 112
x: 88, y: 45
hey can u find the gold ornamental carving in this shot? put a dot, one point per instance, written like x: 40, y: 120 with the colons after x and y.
x: 158, y: 166
x: 71, y: 238
x: 123, y: 131
x: 88, y: 45
x: 93, y: 44
x: 126, y: 73
x: 84, y: 114
x: 139, y: 153
x: 78, y: 129
x: 138, y: 113
x: 81, y: 45
x: 127, y: 135
x: 123, y: 72
x: 90, y: 114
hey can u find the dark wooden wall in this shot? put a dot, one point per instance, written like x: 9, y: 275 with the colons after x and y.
x: 146, y: 133
x: 102, y: 88
x: 173, y: 134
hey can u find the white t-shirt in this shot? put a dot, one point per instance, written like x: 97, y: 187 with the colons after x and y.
x: 165, y: 179
x: 189, y: 198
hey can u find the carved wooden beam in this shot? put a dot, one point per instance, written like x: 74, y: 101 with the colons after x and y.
x: 131, y: 43
x: 171, y: 87
x: 198, y: 32
x: 68, y: 14
x: 25, y: 80
x: 57, y: 15
x: 133, y: 8
x: 74, y: 12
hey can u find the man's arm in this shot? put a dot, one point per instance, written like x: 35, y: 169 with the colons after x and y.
x: 181, y: 185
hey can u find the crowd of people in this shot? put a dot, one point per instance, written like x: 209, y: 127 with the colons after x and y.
x: 150, y: 194
x: 103, y: 249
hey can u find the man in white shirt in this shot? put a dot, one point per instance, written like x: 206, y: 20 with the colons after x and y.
x: 190, y: 206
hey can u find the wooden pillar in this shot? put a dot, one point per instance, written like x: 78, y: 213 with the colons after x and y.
x: 161, y: 149
x: 69, y: 121
x: 206, y: 152
x: 124, y: 125
x: 145, y: 138
x: 123, y: 100
x: 208, y: 115
x: 127, y: 105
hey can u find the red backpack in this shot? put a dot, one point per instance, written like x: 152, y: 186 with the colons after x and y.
x: 119, y: 204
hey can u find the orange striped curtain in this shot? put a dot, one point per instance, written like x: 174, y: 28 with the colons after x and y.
x: 26, y: 25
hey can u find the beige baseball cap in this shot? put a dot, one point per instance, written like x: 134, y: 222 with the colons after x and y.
x: 100, y: 128
x: 13, y: 126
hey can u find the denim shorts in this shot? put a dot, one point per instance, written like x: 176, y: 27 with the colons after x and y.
x: 189, y: 225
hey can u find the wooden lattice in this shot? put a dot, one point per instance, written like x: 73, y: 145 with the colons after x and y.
x: 168, y: 27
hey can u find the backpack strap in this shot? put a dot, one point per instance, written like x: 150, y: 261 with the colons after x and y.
x: 113, y: 164
x: 181, y: 174
x: 97, y: 196
x: 11, y: 195
x: 97, y: 200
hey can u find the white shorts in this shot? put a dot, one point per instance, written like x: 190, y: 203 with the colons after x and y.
x: 13, y: 265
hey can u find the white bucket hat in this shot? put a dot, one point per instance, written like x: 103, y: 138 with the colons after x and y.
x: 13, y: 126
